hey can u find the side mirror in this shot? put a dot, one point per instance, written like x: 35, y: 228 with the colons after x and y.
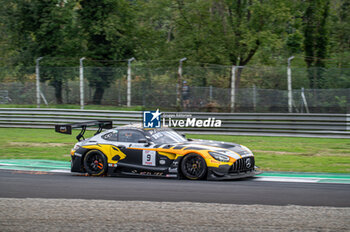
x: 143, y: 141
x: 183, y: 135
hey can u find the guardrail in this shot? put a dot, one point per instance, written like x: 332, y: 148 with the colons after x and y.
x: 264, y: 124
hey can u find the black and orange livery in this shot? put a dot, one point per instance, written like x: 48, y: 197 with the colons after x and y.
x: 133, y: 150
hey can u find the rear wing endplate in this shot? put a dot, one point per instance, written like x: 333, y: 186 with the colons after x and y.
x: 67, y: 128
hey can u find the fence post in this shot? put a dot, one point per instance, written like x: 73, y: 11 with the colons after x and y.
x: 210, y: 93
x: 304, y: 100
x: 37, y: 71
x: 254, y: 97
x: 129, y: 83
x: 119, y: 97
x: 179, y: 87
x: 81, y: 77
x: 289, y: 74
x: 233, y: 87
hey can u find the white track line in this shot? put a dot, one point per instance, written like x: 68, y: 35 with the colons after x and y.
x: 257, y: 178
x: 61, y: 171
x: 287, y: 179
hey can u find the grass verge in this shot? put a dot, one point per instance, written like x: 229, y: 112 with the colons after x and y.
x: 272, y: 153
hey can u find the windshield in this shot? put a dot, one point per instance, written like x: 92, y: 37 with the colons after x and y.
x: 165, y: 136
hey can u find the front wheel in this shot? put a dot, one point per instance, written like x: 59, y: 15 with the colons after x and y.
x: 95, y: 163
x: 193, y: 167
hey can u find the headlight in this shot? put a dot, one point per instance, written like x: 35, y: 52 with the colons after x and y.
x: 246, y: 149
x: 76, y: 147
x: 219, y: 157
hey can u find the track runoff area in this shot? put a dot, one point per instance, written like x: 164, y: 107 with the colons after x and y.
x: 64, y: 167
x: 41, y: 195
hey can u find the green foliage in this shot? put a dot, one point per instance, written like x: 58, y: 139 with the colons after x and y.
x: 224, y: 32
x: 316, y: 40
x: 294, y: 42
x: 42, y: 29
x: 108, y: 31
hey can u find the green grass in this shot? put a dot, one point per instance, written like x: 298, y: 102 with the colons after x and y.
x: 35, y: 144
x: 272, y: 153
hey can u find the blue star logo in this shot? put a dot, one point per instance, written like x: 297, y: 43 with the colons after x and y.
x: 151, y: 119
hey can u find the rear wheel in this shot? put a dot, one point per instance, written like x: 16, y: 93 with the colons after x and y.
x: 193, y: 167
x: 95, y: 163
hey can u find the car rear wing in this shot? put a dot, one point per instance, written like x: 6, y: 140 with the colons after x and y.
x: 67, y: 128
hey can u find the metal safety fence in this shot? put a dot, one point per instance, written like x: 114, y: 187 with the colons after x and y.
x: 264, y: 124
x: 211, y: 88
x: 207, y: 99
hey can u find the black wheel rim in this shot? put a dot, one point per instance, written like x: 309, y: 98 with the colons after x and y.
x: 194, y: 167
x: 95, y: 163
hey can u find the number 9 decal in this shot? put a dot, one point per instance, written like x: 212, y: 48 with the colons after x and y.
x: 149, y: 158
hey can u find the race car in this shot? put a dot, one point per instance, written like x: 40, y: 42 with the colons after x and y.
x: 161, y: 152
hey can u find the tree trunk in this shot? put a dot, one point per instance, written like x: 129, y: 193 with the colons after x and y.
x: 99, y: 91
x: 57, y: 84
x: 238, y: 78
x: 311, y: 77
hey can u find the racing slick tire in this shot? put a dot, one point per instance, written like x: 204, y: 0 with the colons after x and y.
x: 193, y: 167
x: 95, y: 163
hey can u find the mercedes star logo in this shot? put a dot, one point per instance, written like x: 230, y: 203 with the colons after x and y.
x: 248, y: 163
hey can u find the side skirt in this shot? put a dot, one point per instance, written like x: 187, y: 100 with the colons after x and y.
x: 139, y: 170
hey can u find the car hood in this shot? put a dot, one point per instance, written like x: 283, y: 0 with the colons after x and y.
x: 229, y: 149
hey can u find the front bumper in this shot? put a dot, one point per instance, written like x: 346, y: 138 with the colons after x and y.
x: 76, y: 164
x: 77, y: 160
x: 214, y: 174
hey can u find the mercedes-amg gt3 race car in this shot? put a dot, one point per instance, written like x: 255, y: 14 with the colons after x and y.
x: 161, y: 152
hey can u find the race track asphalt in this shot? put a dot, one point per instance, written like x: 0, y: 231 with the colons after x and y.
x: 21, y: 184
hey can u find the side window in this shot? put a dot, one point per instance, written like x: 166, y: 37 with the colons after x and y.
x: 130, y: 136
x: 111, y: 136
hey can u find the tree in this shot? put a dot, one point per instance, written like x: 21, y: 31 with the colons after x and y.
x: 108, y: 27
x: 224, y: 31
x: 340, y: 32
x: 42, y: 28
x: 316, y: 38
